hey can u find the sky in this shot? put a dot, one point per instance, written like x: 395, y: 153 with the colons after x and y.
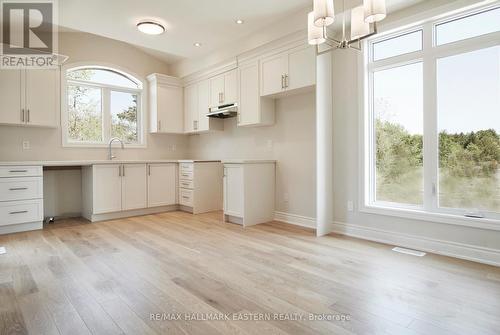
x: 468, y: 85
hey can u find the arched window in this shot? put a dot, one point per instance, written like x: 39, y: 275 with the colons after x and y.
x: 102, y: 103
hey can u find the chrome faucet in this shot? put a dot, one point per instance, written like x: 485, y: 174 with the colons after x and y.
x: 110, y: 153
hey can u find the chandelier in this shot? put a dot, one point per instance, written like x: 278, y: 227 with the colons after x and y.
x: 364, y: 20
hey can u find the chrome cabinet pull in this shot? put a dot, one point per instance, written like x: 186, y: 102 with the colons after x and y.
x: 123, y: 170
x: 159, y: 125
x: 286, y: 81
x: 149, y: 170
x: 282, y: 81
x: 18, y: 212
x: 22, y: 114
x: 17, y: 171
x: 18, y: 189
x: 28, y: 116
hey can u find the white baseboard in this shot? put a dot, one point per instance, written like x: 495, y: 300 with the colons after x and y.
x: 441, y: 247
x: 131, y: 213
x: 295, y: 219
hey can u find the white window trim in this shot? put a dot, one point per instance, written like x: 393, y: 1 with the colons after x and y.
x: 141, y: 104
x: 430, y: 52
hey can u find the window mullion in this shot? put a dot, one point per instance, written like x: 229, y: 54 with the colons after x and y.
x: 106, y: 114
x: 431, y: 143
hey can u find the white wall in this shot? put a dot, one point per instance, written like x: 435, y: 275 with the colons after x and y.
x: 293, y: 146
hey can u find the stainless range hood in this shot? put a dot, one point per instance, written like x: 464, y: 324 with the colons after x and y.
x: 223, y: 111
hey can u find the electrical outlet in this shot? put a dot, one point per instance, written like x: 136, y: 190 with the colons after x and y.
x: 350, y: 206
x: 26, y: 145
x: 269, y: 144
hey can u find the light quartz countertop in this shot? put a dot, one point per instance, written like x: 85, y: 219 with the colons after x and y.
x: 96, y: 162
x: 247, y: 161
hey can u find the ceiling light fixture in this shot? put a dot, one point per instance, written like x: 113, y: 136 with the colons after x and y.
x: 364, y: 20
x: 239, y: 21
x: 151, y: 27
x: 197, y: 44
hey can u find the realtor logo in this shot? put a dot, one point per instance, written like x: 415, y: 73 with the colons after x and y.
x: 28, y: 34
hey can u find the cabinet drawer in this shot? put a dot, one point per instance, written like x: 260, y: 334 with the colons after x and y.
x: 20, y: 171
x: 186, y: 175
x: 186, y: 167
x: 21, y: 188
x: 186, y: 184
x: 186, y: 197
x: 15, y: 212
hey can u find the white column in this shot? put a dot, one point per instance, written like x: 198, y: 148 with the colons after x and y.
x: 324, y: 144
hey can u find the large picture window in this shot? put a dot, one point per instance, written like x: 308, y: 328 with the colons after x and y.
x: 102, y: 103
x: 433, y: 117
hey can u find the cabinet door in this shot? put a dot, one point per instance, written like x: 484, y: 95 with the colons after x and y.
x: 134, y: 189
x: 233, y: 190
x: 272, y: 71
x: 203, y: 105
x: 216, y: 90
x: 42, y: 97
x: 170, y: 112
x: 249, y: 111
x: 301, y: 68
x: 230, y: 94
x: 162, y: 184
x: 107, y: 188
x: 191, y: 108
x: 10, y: 96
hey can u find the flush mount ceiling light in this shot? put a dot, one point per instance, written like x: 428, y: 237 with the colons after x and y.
x: 239, y: 21
x: 364, y: 20
x: 197, y: 44
x: 151, y: 27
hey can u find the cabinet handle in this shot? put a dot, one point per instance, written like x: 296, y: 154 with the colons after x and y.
x: 282, y: 81
x: 286, y: 81
x: 18, y: 188
x: 159, y: 125
x: 18, y: 212
x: 17, y: 171
x: 185, y: 175
x: 149, y: 170
x: 123, y: 170
x: 195, y: 125
x: 22, y: 114
x: 185, y: 197
x: 28, y: 116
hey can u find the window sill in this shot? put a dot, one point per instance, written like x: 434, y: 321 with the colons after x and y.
x: 451, y: 219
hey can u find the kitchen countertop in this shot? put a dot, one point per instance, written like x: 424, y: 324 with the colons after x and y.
x: 247, y: 161
x: 95, y: 162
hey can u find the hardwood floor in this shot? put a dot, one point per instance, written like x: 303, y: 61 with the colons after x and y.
x: 112, y: 277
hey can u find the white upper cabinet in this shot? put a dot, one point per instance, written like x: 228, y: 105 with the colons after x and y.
x: 290, y: 70
x: 42, y: 97
x: 253, y: 110
x: 224, y: 89
x: 10, y: 96
x: 191, y: 108
x: 273, y: 70
x: 301, y: 68
x: 196, y: 106
x: 30, y: 97
x: 166, y: 113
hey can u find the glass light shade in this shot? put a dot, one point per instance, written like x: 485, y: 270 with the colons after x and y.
x: 324, y: 14
x: 314, y: 34
x: 375, y: 10
x: 150, y: 28
x: 359, y: 27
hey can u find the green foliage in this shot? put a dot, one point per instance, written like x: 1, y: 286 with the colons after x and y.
x: 125, y: 124
x: 469, y: 167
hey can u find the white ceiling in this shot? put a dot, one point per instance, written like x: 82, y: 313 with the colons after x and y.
x: 210, y: 22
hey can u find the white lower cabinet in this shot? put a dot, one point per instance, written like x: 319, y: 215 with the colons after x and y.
x: 21, y: 198
x: 249, y: 192
x: 134, y: 186
x: 110, y: 188
x: 200, y: 187
x: 162, y: 184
